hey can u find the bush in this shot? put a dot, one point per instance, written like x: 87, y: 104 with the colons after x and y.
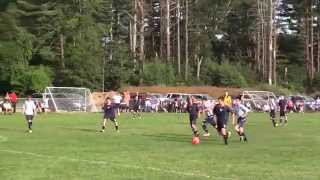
x: 159, y: 74
x: 224, y: 75
x: 39, y: 78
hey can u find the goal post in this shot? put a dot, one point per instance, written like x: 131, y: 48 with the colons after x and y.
x: 69, y: 99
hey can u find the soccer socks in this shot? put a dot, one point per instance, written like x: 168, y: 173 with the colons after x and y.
x: 225, y: 138
x: 204, y: 127
x: 30, y: 125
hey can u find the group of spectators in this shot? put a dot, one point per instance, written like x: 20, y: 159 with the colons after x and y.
x: 9, y: 103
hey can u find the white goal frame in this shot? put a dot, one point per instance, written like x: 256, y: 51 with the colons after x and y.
x: 85, y: 102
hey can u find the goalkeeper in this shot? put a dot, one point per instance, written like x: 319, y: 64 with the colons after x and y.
x: 109, y: 113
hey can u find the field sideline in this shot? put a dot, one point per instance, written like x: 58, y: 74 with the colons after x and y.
x: 69, y: 146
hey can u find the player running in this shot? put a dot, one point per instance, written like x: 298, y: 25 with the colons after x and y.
x: 240, y: 112
x: 109, y: 113
x: 282, y: 106
x: 29, y: 110
x: 194, y: 112
x: 209, y: 120
x: 136, y: 107
x: 220, y: 111
x: 273, y: 110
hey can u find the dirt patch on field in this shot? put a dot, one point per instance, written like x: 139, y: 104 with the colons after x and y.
x: 211, y: 90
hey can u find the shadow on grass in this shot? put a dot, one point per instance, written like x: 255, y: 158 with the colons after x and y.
x: 80, y: 129
x: 175, y: 137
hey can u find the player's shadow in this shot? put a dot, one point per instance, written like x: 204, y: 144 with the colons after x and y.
x: 168, y: 137
x: 80, y: 129
x: 172, y: 137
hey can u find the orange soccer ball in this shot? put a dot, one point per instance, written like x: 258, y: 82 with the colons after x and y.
x: 195, y: 140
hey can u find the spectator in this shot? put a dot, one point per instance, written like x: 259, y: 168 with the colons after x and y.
x: 13, y: 99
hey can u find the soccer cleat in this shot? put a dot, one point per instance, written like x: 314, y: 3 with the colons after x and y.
x: 102, y: 130
x: 30, y: 131
x: 245, y: 139
x: 206, y: 135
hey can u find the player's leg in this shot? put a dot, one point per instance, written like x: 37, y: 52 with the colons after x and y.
x: 205, y: 128
x: 225, y: 136
x: 243, y: 136
x: 29, y: 119
x: 116, y: 125
x: 273, y: 118
x: 193, y: 125
x: 104, y: 123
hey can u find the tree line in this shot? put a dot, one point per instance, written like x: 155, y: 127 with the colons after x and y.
x: 106, y: 44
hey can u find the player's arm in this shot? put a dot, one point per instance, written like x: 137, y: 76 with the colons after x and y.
x: 233, y: 118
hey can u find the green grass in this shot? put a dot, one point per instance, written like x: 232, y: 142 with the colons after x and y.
x: 69, y: 146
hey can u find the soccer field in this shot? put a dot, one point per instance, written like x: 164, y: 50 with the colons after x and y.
x: 69, y: 146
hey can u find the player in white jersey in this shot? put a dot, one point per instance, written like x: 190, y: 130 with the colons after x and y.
x: 273, y: 110
x: 240, y: 112
x: 29, y: 110
x: 209, y: 120
x: 116, y: 101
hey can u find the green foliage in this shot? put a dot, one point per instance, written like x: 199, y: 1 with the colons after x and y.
x: 316, y: 83
x: 224, y: 75
x: 39, y: 78
x: 159, y: 74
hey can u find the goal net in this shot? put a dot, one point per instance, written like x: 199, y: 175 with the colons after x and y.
x: 69, y: 99
x: 257, y: 100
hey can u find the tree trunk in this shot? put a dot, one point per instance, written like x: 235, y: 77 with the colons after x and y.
x: 178, y: 39
x: 186, y: 41
x: 270, y: 39
x: 62, y: 51
x: 168, y: 42
x: 134, y: 35
x: 141, y: 35
x: 199, y: 63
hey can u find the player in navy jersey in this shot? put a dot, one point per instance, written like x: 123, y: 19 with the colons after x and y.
x: 220, y: 111
x: 109, y: 111
x: 194, y: 112
x: 283, y: 107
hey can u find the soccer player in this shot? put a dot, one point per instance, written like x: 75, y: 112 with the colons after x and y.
x: 282, y: 106
x: 109, y: 113
x: 209, y: 120
x: 194, y: 112
x: 273, y: 109
x: 240, y: 112
x: 136, y: 107
x: 116, y: 100
x: 29, y: 110
x: 220, y: 111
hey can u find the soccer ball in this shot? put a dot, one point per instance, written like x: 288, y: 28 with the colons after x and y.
x: 195, y: 140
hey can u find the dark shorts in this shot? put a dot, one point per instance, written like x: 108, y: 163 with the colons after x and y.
x: 221, y: 124
x: 273, y: 114
x: 117, y: 105
x: 282, y: 113
x: 210, y: 120
x: 109, y: 116
x: 29, y: 117
x: 136, y: 108
x: 193, y: 119
x: 241, y: 121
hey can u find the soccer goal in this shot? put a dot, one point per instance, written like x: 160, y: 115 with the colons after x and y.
x: 257, y: 100
x: 69, y: 99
